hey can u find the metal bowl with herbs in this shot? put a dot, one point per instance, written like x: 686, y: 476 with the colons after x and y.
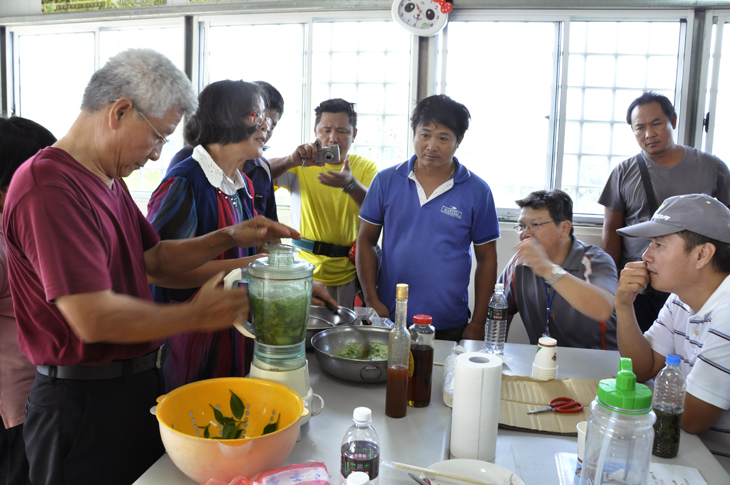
x: 354, y: 353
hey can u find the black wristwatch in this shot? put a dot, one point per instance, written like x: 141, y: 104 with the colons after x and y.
x: 349, y: 188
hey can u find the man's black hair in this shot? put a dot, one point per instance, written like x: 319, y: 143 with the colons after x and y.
x: 20, y: 139
x: 558, y: 203
x: 222, y: 108
x: 721, y: 258
x: 272, y: 97
x: 652, y: 97
x: 336, y: 105
x: 442, y: 110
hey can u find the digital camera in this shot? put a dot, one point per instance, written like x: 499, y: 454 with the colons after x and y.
x: 330, y: 154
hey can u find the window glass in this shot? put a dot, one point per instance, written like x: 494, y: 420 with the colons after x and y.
x: 52, y: 80
x: 367, y: 63
x: 507, y: 89
x: 279, y: 62
x: 611, y: 63
x: 167, y: 41
x: 720, y: 143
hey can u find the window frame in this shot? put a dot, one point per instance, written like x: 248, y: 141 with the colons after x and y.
x: 564, y: 18
x: 420, y: 64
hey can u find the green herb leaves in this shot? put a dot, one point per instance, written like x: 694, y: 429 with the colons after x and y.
x: 271, y: 427
x: 232, y: 427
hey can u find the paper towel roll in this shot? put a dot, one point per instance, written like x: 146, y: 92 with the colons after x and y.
x: 475, y: 411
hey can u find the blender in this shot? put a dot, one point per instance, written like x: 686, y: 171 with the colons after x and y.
x: 280, y: 294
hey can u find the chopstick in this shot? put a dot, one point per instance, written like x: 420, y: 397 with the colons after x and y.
x: 428, y: 471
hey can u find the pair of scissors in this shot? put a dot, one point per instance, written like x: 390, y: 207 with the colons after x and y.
x: 561, y: 405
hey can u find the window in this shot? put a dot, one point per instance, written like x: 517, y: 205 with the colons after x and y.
x: 717, y: 99
x: 55, y: 101
x: 519, y: 140
x: 611, y: 64
x: 510, y: 79
x: 367, y: 63
x: 232, y: 54
x: 51, y: 80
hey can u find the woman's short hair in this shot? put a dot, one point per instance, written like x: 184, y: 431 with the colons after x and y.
x: 442, y: 110
x: 272, y: 97
x: 20, y: 139
x: 146, y: 77
x: 222, y: 108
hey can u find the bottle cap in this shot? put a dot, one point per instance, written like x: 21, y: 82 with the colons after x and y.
x: 672, y: 359
x: 401, y: 291
x: 422, y: 319
x: 362, y: 415
x: 498, y: 286
x: 623, y: 394
x: 358, y: 478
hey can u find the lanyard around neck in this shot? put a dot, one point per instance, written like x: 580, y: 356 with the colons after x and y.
x: 549, y: 304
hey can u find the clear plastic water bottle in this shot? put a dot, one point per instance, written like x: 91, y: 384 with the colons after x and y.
x: 358, y: 478
x: 360, y: 450
x: 495, y: 330
x: 670, y: 388
x: 620, y: 431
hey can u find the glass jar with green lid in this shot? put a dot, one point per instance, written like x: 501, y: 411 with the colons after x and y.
x: 620, y: 431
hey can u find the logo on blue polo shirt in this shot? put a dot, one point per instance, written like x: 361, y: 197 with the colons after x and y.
x: 451, y: 211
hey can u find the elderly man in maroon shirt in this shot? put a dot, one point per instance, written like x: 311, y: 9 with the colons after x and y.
x: 80, y: 258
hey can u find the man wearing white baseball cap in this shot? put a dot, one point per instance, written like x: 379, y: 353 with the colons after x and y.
x: 688, y: 256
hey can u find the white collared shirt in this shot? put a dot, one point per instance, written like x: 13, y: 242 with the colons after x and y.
x: 216, y: 177
x: 444, y: 187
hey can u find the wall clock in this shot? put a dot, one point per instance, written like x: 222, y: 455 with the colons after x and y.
x: 421, y: 17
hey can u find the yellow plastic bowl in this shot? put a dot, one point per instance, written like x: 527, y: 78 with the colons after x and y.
x: 184, y: 412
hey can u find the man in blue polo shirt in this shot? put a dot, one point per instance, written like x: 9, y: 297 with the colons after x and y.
x: 430, y: 210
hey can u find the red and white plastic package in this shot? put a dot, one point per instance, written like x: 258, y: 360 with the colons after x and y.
x: 308, y: 473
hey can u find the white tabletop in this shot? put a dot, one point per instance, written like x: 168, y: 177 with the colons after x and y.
x: 422, y: 437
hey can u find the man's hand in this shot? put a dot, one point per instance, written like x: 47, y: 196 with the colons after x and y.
x: 320, y: 295
x: 258, y: 231
x: 473, y: 331
x: 336, y: 179
x: 305, y: 154
x: 531, y: 253
x: 380, y: 309
x: 634, y: 278
x: 216, y: 308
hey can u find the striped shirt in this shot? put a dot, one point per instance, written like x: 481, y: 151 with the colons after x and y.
x: 702, y: 340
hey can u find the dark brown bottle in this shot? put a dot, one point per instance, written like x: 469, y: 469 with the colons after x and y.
x: 421, y: 366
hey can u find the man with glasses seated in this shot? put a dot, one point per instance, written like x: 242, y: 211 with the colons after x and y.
x: 559, y: 285
x: 326, y: 197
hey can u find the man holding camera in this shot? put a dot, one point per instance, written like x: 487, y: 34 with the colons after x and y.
x: 328, y: 186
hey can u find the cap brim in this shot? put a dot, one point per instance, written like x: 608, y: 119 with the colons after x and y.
x: 649, y: 229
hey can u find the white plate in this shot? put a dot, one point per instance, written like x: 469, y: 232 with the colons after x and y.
x: 474, y: 469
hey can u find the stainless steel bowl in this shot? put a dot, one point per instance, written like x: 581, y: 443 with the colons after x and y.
x: 321, y: 318
x: 329, y: 342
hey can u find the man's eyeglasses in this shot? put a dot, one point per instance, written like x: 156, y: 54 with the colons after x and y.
x: 260, y: 118
x: 520, y: 228
x: 161, y: 140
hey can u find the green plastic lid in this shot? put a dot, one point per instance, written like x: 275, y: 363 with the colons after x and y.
x: 623, y: 394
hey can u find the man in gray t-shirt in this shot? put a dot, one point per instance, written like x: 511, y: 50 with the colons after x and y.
x: 673, y: 170
x: 557, y: 283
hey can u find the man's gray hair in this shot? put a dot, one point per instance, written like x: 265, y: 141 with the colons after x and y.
x: 146, y: 77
